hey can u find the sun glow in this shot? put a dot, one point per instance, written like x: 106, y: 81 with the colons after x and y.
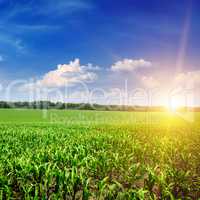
x: 175, y: 103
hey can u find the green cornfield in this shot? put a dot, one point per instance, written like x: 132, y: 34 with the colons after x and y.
x: 99, y: 155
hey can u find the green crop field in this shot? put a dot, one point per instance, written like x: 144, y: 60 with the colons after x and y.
x: 99, y: 155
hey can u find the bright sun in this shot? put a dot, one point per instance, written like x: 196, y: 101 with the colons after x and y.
x: 174, y: 103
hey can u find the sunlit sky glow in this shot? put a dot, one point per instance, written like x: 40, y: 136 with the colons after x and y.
x: 124, y: 52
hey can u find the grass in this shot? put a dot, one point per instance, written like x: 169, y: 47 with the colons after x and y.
x: 98, y: 155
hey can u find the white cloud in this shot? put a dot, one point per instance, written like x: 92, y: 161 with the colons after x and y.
x: 188, y: 80
x: 130, y: 65
x: 150, y: 82
x: 65, y: 75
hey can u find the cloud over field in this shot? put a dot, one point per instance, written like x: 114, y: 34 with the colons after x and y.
x: 150, y: 82
x: 189, y: 80
x: 66, y: 74
x: 130, y: 64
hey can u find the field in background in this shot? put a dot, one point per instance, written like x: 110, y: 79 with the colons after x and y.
x: 99, y: 155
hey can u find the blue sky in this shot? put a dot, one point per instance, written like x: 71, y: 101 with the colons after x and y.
x: 37, y: 35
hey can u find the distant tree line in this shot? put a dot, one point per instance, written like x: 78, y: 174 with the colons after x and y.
x: 84, y: 106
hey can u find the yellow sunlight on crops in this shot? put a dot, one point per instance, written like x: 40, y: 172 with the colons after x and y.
x: 175, y: 103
